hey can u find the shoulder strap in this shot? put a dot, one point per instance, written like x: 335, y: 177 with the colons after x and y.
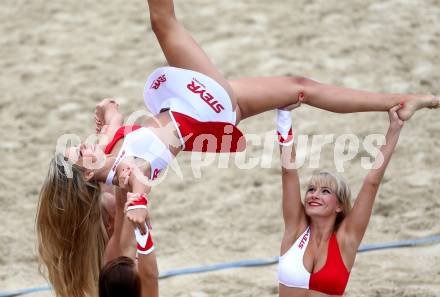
x: 302, y: 242
x: 112, y: 172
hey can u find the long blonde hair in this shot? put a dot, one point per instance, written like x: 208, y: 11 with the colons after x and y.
x: 339, y: 187
x: 71, y: 236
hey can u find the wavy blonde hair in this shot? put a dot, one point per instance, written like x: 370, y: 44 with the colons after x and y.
x: 70, y: 233
x: 339, y: 186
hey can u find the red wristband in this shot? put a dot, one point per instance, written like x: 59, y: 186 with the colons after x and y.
x: 140, y: 202
x: 145, y: 244
x: 285, y: 141
x: 148, y: 248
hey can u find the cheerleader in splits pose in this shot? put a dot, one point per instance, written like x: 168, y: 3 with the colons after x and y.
x: 190, y: 98
x: 322, y: 235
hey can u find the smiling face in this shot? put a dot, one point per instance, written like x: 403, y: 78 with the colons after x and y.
x: 327, y: 195
x: 321, y: 200
x: 87, y: 156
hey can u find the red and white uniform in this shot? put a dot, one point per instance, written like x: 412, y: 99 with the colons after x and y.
x: 200, y: 108
x: 330, y: 279
x: 139, y: 142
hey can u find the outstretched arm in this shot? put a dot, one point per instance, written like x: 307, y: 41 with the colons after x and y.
x: 147, y: 264
x: 131, y: 179
x: 149, y: 275
x: 122, y: 239
x: 293, y: 209
x: 123, y: 243
x: 356, y: 222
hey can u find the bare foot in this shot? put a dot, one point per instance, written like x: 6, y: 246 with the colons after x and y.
x: 411, y: 106
x: 104, y: 109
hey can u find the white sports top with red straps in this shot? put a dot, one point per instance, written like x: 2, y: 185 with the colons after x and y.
x: 141, y: 142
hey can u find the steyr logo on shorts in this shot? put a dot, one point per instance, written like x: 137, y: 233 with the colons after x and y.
x: 207, y: 97
x: 158, y: 81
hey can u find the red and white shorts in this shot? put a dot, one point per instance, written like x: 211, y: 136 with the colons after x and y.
x: 200, y: 108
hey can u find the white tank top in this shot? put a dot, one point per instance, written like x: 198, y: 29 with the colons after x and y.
x: 144, y: 144
x: 291, y: 270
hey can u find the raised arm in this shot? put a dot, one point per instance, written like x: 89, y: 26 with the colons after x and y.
x: 126, y: 243
x: 131, y: 179
x: 149, y: 274
x: 293, y: 209
x: 356, y: 222
x: 147, y: 264
x: 122, y: 240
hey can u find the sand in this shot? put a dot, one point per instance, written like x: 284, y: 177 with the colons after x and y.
x: 58, y: 59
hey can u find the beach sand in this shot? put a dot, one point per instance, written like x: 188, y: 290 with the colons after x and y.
x: 58, y: 59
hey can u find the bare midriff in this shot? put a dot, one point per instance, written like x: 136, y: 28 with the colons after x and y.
x: 163, y: 126
x: 285, y: 291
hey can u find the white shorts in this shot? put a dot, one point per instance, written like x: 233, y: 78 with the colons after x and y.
x: 199, y: 107
x: 188, y: 92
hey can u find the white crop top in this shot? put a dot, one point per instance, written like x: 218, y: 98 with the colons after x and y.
x: 144, y: 144
x: 291, y: 269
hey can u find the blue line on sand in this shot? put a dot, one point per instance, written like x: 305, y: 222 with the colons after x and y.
x: 249, y: 263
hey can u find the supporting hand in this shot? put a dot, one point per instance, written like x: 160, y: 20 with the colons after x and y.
x: 124, y: 178
x: 137, y: 212
x: 396, y: 123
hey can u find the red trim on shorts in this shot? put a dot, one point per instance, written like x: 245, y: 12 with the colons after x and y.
x: 212, y: 137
